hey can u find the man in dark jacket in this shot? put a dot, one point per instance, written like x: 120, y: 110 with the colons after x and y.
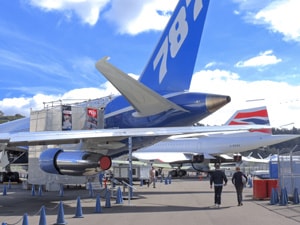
x: 239, y: 179
x: 218, y: 178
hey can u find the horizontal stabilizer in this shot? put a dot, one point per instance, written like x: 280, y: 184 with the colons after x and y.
x: 144, y: 100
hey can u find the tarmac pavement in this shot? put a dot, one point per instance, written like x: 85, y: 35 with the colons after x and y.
x: 183, y: 202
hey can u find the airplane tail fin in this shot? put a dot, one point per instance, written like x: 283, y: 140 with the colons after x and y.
x: 258, y: 116
x: 171, y: 65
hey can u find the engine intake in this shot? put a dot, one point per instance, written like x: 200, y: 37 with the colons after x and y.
x: 198, y: 158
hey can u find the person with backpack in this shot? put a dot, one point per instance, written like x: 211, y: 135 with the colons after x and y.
x: 239, y: 179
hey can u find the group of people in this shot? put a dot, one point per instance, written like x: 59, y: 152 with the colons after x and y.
x: 218, y: 179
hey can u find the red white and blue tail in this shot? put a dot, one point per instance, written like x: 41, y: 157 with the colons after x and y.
x: 258, y: 116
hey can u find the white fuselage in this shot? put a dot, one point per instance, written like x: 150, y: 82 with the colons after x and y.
x: 209, y: 145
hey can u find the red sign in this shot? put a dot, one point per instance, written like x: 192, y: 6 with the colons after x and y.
x: 92, y: 112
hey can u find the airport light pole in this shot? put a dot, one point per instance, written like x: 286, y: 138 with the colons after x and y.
x: 130, y: 167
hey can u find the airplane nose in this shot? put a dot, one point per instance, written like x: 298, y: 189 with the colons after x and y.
x: 215, y: 102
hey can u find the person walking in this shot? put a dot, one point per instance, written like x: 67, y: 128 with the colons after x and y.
x: 239, y: 179
x: 219, y: 179
x: 152, y: 175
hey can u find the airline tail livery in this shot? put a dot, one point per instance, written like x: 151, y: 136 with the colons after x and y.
x: 171, y: 65
x: 251, y: 116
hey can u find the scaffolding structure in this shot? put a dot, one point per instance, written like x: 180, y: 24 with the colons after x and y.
x: 57, y: 116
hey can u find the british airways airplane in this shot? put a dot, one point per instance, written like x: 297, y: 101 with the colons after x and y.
x: 215, y: 147
x: 152, y: 108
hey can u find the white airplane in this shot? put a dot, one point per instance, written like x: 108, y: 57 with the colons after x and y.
x: 213, y: 148
x: 149, y: 110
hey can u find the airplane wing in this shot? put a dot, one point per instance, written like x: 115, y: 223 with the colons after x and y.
x: 227, y: 157
x: 201, y: 135
x: 244, y: 159
x: 254, y: 160
x: 147, y: 102
x: 105, y: 135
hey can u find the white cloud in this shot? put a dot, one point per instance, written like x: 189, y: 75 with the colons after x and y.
x: 87, y: 10
x: 263, y: 59
x: 279, y: 16
x: 130, y: 16
x: 211, y: 64
x: 22, y: 105
x: 140, y: 16
x: 280, y: 98
x: 282, y: 16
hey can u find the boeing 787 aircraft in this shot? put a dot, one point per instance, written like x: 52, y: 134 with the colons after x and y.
x: 154, y: 107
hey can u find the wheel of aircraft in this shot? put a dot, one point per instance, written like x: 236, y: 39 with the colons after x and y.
x: 181, y: 173
x: 178, y: 173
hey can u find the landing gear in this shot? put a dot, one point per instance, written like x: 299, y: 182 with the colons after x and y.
x: 178, y: 173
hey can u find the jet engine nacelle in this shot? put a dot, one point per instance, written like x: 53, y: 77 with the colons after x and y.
x: 201, y: 167
x: 198, y: 158
x: 76, y: 163
x: 237, y: 158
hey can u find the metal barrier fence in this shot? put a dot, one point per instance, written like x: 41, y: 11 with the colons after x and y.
x: 289, y: 170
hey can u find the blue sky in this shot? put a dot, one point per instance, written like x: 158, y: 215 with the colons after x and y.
x: 249, y: 50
